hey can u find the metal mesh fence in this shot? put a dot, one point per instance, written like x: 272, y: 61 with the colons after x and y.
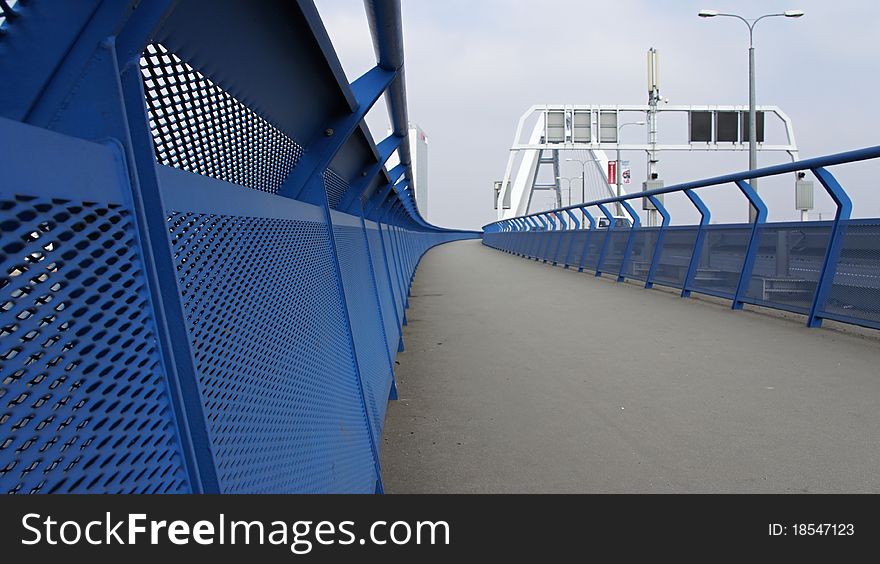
x: 855, y: 294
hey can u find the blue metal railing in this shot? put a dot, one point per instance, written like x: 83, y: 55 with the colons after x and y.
x: 205, y: 262
x: 821, y: 269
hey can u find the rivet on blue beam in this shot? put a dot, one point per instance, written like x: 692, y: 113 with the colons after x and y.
x: 305, y: 180
x: 835, y: 244
x: 705, y: 216
x: 754, y: 240
x: 589, y: 237
x: 658, y: 245
x: 359, y: 186
x: 627, y: 251
x: 607, y: 240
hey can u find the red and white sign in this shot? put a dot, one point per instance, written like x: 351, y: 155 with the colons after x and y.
x: 612, y: 172
x: 625, y: 172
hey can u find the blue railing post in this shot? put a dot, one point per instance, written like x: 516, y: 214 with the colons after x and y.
x: 545, y: 252
x: 607, y: 239
x: 564, y: 228
x: 835, y: 244
x: 539, y: 239
x: 577, y: 226
x: 520, y: 229
x: 705, y: 216
x: 636, y: 224
x: 752, y: 249
x: 590, y: 234
x: 527, y: 237
x: 658, y: 245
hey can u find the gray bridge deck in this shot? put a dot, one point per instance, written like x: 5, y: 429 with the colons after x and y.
x: 522, y: 377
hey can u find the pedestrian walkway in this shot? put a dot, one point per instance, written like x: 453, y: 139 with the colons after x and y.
x: 523, y: 377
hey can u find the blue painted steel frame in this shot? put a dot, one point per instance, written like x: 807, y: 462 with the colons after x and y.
x: 705, y: 216
x: 607, y: 241
x: 577, y: 226
x: 658, y: 245
x: 835, y: 243
x: 629, y: 241
x: 74, y: 73
x: 587, y: 240
x: 752, y: 250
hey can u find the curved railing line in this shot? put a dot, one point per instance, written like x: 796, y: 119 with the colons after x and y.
x: 528, y: 224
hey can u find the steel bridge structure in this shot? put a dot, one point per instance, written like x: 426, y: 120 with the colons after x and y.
x: 207, y: 267
x: 205, y: 260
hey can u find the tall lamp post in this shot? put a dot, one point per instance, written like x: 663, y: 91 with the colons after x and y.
x: 619, y: 170
x: 583, y: 182
x: 753, y: 145
x: 568, y: 179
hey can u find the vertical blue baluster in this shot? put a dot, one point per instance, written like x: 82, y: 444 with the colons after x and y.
x: 835, y: 244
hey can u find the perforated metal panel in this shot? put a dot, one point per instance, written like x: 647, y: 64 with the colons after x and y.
x: 561, y: 247
x: 271, y: 345
x: 614, y: 251
x: 644, y: 243
x: 590, y: 256
x: 788, y: 263
x: 721, y: 259
x: 386, y: 297
x: 335, y: 186
x: 394, y: 265
x: 675, y: 256
x: 366, y: 323
x: 855, y: 293
x: 199, y: 127
x: 83, y: 404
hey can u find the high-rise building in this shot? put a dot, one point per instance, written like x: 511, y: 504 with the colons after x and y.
x: 418, y: 144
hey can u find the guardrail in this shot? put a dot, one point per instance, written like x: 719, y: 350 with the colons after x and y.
x: 821, y: 269
x: 205, y: 261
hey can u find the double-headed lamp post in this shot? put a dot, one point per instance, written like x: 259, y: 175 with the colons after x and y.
x: 619, y: 169
x: 583, y: 181
x: 753, y: 146
x: 568, y: 179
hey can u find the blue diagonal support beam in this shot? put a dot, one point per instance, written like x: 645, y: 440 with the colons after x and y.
x: 357, y: 189
x: 380, y: 199
x: 305, y: 180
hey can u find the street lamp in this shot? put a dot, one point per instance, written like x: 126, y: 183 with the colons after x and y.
x: 619, y: 170
x: 753, y: 146
x: 568, y: 179
x: 583, y: 181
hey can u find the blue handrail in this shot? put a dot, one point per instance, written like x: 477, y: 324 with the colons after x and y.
x: 844, y: 286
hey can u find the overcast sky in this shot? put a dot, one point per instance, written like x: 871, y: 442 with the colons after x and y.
x: 474, y: 66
